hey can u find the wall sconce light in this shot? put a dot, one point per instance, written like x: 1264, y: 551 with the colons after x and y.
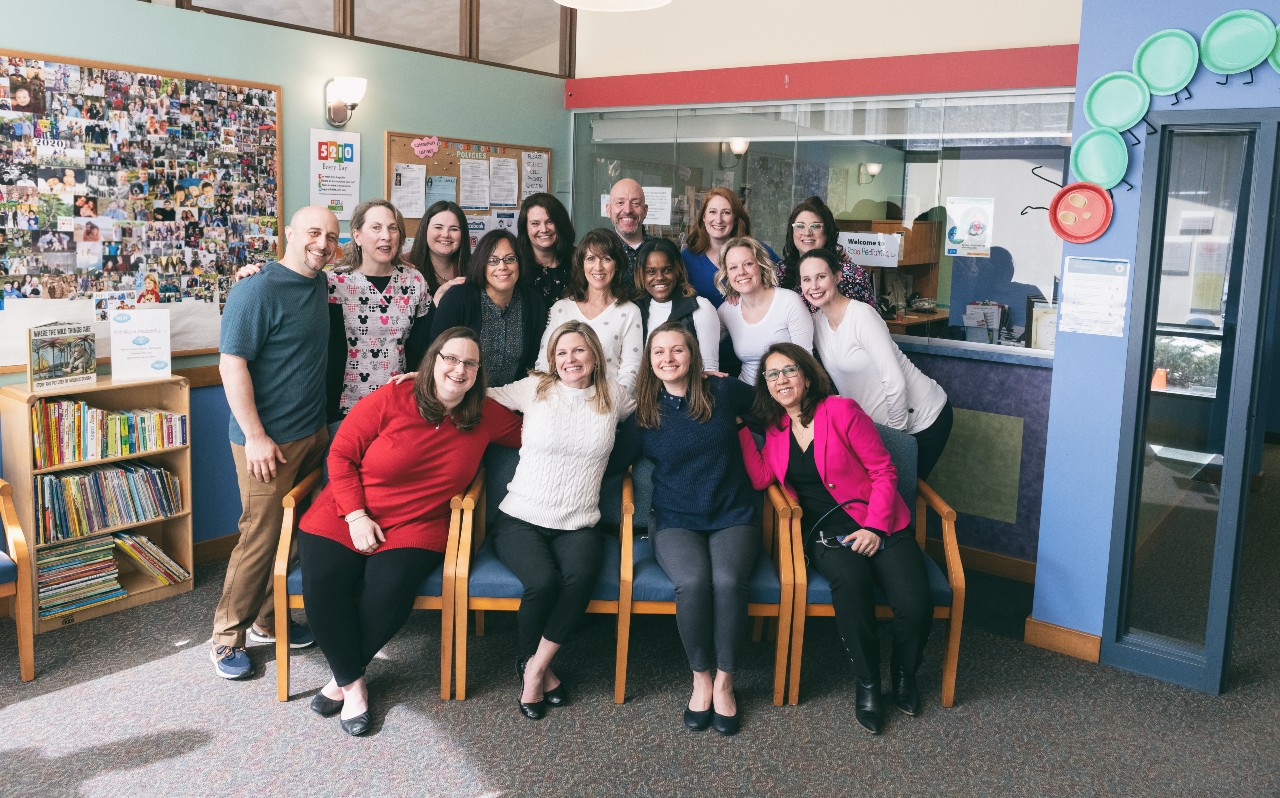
x: 341, y: 96
x: 738, y: 147
x: 868, y: 171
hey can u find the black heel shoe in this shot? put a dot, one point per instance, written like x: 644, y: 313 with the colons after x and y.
x: 324, y: 706
x: 558, y: 696
x: 867, y: 706
x: 695, y: 720
x: 906, y: 695
x: 533, y: 710
x: 357, y: 726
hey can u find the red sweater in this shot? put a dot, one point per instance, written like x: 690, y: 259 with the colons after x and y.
x: 388, y: 460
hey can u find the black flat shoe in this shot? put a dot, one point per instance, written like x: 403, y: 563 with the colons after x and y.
x: 697, y: 721
x: 906, y: 696
x: 357, y: 726
x: 867, y: 706
x: 533, y: 710
x: 325, y: 706
x: 725, y: 724
x: 556, y: 697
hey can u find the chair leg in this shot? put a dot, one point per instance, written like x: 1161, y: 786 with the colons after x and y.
x: 446, y: 645
x: 797, y: 648
x: 620, y: 666
x: 756, y: 626
x: 282, y: 643
x: 26, y: 639
x: 773, y: 629
x: 479, y: 623
x: 951, y: 660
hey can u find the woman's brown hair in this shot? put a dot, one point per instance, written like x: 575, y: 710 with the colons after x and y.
x: 604, y: 243
x: 351, y: 254
x: 699, y: 238
x: 603, y: 399
x: 699, y: 401
x: 767, y: 409
x: 468, y: 412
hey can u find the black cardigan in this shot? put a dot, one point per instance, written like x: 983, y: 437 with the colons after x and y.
x: 460, y: 306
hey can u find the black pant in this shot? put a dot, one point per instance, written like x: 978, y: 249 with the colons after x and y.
x: 357, y: 602
x: 931, y: 440
x: 899, y: 570
x: 711, y: 572
x: 558, y: 569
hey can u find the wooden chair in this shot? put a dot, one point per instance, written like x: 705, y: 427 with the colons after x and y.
x: 813, y: 591
x: 16, y: 582
x: 771, y: 589
x: 483, y: 583
x: 432, y: 594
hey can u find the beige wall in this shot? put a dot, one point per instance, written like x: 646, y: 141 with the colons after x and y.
x: 703, y: 34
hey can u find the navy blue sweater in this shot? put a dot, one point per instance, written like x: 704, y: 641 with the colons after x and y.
x: 699, y: 481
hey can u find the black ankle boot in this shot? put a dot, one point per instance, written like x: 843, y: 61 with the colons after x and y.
x: 906, y: 696
x: 867, y: 705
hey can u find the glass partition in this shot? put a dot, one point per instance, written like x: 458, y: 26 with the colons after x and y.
x: 889, y: 169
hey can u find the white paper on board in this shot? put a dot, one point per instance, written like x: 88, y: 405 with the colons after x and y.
x: 140, y: 345
x: 658, y: 198
x: 1095, y: 296
x: 473, y: 185
x: 535, y: 175
x: 503, y: 182
x: 441, y: 188
x: 409, y: 189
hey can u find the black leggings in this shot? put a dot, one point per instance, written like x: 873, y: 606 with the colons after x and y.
x: 558, y: 569
x: 899, y: 570
x: 357, y: 602
x: 931, y: 440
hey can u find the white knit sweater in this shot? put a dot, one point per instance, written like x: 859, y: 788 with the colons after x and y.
x: 564, y: 449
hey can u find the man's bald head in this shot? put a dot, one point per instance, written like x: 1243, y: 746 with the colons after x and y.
x: 311, y: 240
x: 627, y: 210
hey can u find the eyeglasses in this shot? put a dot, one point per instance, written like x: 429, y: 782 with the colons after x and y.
x: 772, y: 375
x: 814, y: 227
x: 510, y: 260
x: 452, y: 362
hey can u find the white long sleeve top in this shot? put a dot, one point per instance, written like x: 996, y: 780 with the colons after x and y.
x: 620, y: 331
x: 706, y: 325
x: 868, y: 367
x: 786, y: 320
x: 564, y: 449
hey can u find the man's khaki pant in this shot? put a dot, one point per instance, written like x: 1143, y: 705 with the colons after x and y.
x: 246, y: 593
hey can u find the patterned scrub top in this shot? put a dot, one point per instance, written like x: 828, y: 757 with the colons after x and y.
x: 377, y: 325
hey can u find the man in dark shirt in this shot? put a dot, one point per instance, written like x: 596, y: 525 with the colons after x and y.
x: 627, y: 211
x: 273, y: 355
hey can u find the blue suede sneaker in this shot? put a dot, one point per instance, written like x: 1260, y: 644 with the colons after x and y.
x: 300, y: 635
x: 230, y: 662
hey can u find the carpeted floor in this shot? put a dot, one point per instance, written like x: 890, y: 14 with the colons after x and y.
x: 128, y: 706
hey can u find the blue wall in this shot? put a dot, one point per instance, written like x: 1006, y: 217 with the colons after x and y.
x: 1082, y: 454
x: 408, y: 92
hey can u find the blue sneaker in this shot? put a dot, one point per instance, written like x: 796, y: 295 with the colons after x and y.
x: 230, y: 662
x: 300, y: 635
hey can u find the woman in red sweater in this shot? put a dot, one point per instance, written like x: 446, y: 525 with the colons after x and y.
x: 381, y: 524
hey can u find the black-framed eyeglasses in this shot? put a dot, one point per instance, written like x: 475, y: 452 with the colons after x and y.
x: 510, y: 260
x: 772, y: 375
x: 452, y: 362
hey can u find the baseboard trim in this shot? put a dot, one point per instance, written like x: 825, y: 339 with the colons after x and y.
x: 215, y: 549
x: 1062, y: 640
x: 989, y: 562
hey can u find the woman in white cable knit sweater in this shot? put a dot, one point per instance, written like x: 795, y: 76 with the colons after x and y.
x: 545, y: 528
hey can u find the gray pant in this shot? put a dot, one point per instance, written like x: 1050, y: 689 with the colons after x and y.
x: 710, y: 571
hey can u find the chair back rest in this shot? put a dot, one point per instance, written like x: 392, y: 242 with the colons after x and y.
x: 903, y: 451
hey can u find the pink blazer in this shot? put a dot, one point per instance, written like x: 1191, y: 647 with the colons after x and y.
x: 850, y: 457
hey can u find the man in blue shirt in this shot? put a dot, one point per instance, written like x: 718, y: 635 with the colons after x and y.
x: 275, y: 331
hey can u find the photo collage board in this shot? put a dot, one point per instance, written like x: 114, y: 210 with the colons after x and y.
x: 125, y: 186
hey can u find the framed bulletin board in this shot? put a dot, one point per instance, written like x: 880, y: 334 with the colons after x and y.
x: 488, y: 180
x: 124, y: 184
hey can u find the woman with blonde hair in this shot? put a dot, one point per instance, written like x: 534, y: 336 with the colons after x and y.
x: 545, y: 528
x: 761, y: 315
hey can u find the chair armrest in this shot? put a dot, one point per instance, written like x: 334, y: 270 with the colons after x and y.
x: 291, y: 500
x: 784, y: 544
x: 465, y: 505
x: 18, y: 550
x: 927, y: 497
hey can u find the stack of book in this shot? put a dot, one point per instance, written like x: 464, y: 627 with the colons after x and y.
x: 149, y: 559
x: 67, y: 431
x: 76, y: 575
x: 83, y: 501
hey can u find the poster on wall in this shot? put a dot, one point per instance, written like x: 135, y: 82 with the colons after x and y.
x: 335, y: 171
x: 533, y: 178
x: 969, y: 223
x: 140, y: 348
x: 1095, y: 296
x: 117, y: 181
x: 872, y: 249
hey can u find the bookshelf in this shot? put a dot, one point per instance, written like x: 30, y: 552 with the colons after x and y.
x: 170, y: 533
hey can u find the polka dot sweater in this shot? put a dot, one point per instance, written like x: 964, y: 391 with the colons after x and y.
x: 621, y: 334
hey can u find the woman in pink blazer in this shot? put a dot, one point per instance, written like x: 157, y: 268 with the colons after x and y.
x: 825, y: 451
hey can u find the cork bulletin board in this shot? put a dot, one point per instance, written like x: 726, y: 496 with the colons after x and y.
x: 123, y: 184
x: 487, y: 179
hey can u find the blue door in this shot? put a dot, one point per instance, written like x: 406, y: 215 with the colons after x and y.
x: 1193, y: 393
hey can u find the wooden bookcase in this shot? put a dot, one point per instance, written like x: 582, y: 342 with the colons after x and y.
x: 172, y: 534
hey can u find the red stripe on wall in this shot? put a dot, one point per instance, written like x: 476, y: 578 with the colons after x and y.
x: 934, y: 73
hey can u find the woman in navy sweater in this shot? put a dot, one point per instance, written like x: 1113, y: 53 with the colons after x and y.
x: 706, y: 531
